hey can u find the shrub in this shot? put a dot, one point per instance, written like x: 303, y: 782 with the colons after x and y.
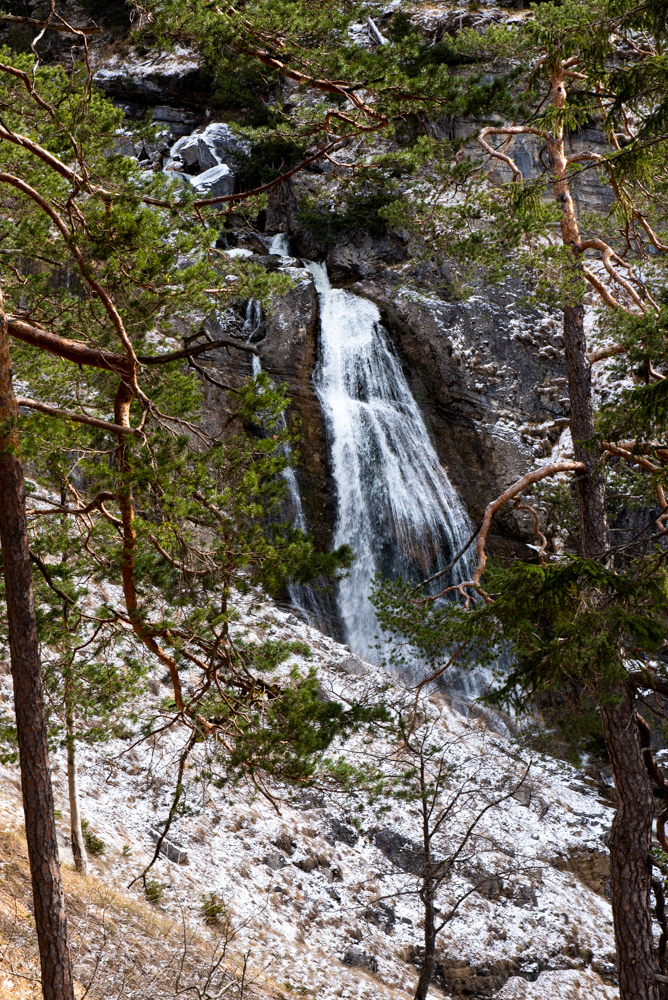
x: 94, y: 844
x: 153, y: 890
x: 214, y: 909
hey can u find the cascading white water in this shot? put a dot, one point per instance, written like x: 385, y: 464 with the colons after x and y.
x: 280, y: 245
x: 396, y: 506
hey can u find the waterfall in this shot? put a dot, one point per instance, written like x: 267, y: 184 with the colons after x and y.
x: 396, y: 506
x: 280, y: 245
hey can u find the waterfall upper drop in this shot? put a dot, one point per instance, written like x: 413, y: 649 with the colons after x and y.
x: 397, y: 508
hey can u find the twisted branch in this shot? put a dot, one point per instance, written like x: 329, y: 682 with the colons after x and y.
x: 490, y: 510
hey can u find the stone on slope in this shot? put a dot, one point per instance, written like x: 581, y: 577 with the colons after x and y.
x: 213, y: 183
x: 216, y: 144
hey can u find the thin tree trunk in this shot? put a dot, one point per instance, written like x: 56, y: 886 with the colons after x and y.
x: 429, y: 961
x: 49, y: 904
x: 76, y: 831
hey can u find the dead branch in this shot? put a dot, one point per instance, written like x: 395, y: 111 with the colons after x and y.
x: 490, y: 510
x: 189, y: 352
x: 510, y: 131
x: 536, y: 526
x: 54, y: 411
x: 33, y: 23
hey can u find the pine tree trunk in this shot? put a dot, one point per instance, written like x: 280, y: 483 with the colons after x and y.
x: 76, y: 831
x: 49, y: 904
x: 591, y: 490
x: 630, y: 870
x: 630, y: 838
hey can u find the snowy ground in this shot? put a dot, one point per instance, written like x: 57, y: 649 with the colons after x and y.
x: 307, y: 885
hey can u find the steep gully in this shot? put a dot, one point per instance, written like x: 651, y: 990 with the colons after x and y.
x: 396, y: 507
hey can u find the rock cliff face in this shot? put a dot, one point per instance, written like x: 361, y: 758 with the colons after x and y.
x: 288, y: 352
x: 489, y: 377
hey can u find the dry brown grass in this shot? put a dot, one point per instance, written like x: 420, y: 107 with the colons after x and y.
x: 122, y: 947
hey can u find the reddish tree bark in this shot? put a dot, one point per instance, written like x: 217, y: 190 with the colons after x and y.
x: 630, y: 838
x: 49, y: 903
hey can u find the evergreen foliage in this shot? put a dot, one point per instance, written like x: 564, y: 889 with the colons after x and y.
x: 95, y: 251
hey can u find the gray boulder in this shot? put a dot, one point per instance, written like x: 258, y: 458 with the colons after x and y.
x: 358, y: 959
x: 214, y: 182
x: 216, y: 144
x: 275, y: 861
x: 339, y: 831
x: 172, y: 849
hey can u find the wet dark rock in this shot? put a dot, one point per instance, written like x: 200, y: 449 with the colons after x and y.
x: 359, y: 959
x: 340, y: 831
x: 382, y: 916
x: 402, y: 852
x: 288, y: 353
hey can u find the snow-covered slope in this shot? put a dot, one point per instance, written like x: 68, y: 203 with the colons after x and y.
x: 312, y: 884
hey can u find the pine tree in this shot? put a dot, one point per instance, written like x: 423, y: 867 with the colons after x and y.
x: 98, y: 260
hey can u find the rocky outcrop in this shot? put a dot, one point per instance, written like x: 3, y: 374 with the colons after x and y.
x: 288, y: 352
x: 489, y: 377
x: 208, y: 148
x: 155, y: 78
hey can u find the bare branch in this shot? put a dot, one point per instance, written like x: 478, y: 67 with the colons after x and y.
x: 49, y: 580
x: 33, y: 23
x: 509, y: 130
x: 490, y: 510
x: 188, y: 352
x: 54, y: 411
